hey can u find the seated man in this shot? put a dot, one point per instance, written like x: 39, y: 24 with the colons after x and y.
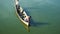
x: 26, y: 18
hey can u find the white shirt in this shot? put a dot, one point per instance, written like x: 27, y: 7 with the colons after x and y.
x: 17, y: 2
x: 26, y: 18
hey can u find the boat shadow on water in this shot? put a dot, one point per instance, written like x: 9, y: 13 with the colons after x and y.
x: 37, y: 24
x: 34, y: 23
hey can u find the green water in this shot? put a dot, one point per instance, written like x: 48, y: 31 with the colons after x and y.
x: 45, y: 17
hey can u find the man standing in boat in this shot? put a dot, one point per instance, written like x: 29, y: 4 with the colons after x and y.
x: 17, y: 5
x: 18, y: 8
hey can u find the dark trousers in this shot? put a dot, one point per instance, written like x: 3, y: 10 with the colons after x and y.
x: 18, y: 7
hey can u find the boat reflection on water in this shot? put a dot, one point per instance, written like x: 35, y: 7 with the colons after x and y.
x: 26, y: 27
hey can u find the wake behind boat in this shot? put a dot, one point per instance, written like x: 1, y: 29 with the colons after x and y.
x: 22, y: 14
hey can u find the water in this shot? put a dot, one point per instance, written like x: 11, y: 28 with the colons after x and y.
x: 45, y: 17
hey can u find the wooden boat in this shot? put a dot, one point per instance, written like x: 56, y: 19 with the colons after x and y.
x: 25, y: 22
x: 21, y: 15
